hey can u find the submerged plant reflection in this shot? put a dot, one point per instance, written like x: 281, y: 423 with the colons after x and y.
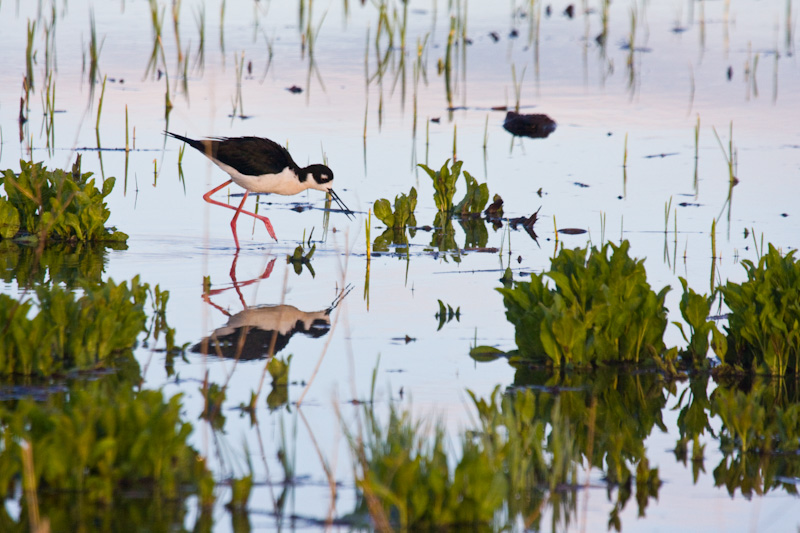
x: 522, y: 461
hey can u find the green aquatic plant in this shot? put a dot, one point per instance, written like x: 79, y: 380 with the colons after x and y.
x: 695, y: 309
x: 65, y: 263
x: 764, y: 322
x: 443, y: 238
x: 512, y: 463
x: 240, y: 494
x: 446, y: 313
x: 55, y: 205
x: 476, y: 235
x: 98, y: 439
x: 300, y: 258
x: 157, y: 21
x: 70, y: 333
x: 444, y: 184
x: 279, y: 371
x: 475, y: 199
x: 758, y: 437
x: 759, y: 419
x: 405, y: 477
x: 403, y: 213
x: 601, y: 311
x: 29, y: 56
x: 396, y: 221
x: 592, y: 412
x: 213, y: 396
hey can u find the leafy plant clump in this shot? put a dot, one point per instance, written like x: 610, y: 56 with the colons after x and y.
x: 54, y: 205
x: 757, y: 420
x: 764, y: 323
x: 695, y: 309
x: 64, y: 263
x: 601, y: 311
x: 100, y: 439
x: 403, y: 214
x: 300, y: 258
x: 444, y: 184
x: 475, y: 200
x: 507, y: 465
x: 407, y: 480
x: 70, y: 333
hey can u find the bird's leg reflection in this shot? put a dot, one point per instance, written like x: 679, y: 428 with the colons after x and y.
x: 237, y: 285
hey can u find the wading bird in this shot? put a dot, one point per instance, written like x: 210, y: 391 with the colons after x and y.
x: 261, y: 166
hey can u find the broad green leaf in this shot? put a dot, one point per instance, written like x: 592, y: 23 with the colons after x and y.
x: 9, y: 219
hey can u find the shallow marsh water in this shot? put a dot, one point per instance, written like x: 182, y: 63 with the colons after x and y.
x: 596, y: 95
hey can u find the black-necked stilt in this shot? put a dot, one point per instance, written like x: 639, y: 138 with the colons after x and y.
x: 260, y: 165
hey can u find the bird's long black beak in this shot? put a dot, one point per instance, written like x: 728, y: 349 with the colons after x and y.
x: 343, y: 207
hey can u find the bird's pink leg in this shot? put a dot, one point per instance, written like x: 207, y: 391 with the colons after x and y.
x: 265, y: 220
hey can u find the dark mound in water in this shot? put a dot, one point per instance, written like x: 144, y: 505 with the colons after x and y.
x: 535, y: 126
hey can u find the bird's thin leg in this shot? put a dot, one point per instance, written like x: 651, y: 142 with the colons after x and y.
x: 265, y: 220
x: 236, y: 217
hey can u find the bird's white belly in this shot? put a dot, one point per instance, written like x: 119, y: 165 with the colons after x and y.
x: 285, y: 182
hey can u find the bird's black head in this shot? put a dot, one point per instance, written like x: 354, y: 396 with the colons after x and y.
x: 321, y: 178
x: 321, y: 175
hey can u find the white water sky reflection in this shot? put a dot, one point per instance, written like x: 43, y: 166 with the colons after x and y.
x: 176, y: 239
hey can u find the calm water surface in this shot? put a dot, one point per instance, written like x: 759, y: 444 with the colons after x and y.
x: 367, y: 132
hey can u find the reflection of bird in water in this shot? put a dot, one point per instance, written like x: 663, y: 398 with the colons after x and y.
x: 250, y: 334
x: 262, y: 166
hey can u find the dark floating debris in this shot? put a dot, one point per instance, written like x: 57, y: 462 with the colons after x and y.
x: 527, y: 223
x: 784, y: 215
x: 294, y: 89
x: 436, y: 120
x: 572, y: 231
x: 513, y: 34
x: 627, y: 46
x: 570, y: 11
x: 653, y: 156
x: 601, y: 38
x: 581, y: 185
x: 730, y: 73
x: 495, y: 36
x: 495, y: 209
x: 536, y: 126
x: 548, y: 10
x: 689, y: 204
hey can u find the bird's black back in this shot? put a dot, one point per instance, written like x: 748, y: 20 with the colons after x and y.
x: 251, y: 156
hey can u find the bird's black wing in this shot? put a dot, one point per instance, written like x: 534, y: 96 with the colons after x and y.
x: 252, y: 156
